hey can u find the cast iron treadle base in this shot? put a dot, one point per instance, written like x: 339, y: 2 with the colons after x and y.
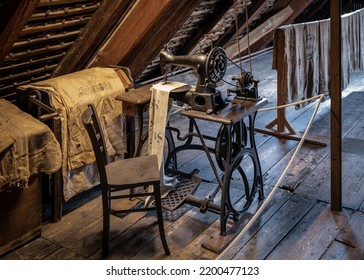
x: 188, y: 183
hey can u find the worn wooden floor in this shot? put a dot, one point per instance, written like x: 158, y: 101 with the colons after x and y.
x: 297, y: 224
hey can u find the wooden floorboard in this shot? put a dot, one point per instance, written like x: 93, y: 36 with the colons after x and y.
x: 296, y: 224
x: 280, y: 198
x: 349, y: 244
x: 275, y: 230
x: 311, y: 237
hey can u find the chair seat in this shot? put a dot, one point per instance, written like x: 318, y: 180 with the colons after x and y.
x: 137, y: 171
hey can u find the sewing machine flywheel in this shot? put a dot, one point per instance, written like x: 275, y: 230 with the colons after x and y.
x: 216, y: 64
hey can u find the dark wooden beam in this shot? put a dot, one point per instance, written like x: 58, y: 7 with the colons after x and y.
x: 280, y: 4
x: 230, y: 33
x: 335, y: 92
x: 13, y: 18
x: 318, y: 10
x: 209, y: 23
x: 97, y: 29
x: 140, y: 36
x: 297, y: 6
x: 267, y: 27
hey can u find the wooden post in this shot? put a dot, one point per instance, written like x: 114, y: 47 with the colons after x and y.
x: 335, y: 89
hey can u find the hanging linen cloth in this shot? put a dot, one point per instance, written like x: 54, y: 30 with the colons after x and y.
x: 158, y: 116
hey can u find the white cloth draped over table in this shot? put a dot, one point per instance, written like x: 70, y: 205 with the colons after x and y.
x: 158, y: 116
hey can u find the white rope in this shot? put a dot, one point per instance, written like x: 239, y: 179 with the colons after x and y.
x: 292, y: 104
x: 233, y: 244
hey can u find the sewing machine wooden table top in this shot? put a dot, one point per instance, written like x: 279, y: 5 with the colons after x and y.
x: 232, y: 113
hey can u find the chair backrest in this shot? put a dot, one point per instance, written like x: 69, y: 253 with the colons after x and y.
x: 91, y: 122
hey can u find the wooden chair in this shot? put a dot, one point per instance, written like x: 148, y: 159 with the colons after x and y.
x: 125, y: 174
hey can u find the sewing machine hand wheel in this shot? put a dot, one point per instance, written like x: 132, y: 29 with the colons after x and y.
x: 216, y: 64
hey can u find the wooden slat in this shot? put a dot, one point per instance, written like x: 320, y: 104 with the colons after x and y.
x: 184, y: 230
x: 94, y: 33
x: 312, y: 235
x: 71, y: 223
x: 63, y: 254
x: 31, y: 30
x: 217, y: 243
x: 22, y: 76
x: 67, y: 12
x: 46, y: 3
x: 135, y: 43
x: 30, y: 63
x: 42, y: 51
x: 35, y: 250
x: 47, y: 39
x: 350, y: 241
x: 274, y: 231
x: 12, y: 21
x: 308, y: 158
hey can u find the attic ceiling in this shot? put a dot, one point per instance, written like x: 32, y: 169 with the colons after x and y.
x: 41, y: 39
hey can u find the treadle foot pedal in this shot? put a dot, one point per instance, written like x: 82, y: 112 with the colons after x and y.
x: 187, y: 184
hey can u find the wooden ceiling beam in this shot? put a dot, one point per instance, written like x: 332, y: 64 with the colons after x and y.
x: 140, y: 36
x: 230, y: 34
x: 259, y: 32
x: 211, y: 20
x: 264, y: 33
x: 95, y: 32
x: 12, y: 21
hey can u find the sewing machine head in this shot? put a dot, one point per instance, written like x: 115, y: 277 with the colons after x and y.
x: 210, y: 70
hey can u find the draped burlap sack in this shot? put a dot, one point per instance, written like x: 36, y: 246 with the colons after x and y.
x: 70, y: 95
x: 27, y: 147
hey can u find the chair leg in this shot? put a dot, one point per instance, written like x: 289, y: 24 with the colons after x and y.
x: 157, y: 197
x: 106, y: 227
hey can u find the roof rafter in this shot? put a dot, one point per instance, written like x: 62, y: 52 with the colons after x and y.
x: 144, y: 38
x: 12, y: 21
x: 95, y: 32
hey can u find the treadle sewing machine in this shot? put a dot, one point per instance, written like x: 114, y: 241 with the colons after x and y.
x: 235, y: 150
x: 210, y: 69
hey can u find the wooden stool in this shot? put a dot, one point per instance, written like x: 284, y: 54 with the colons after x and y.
x: 135, y: 102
